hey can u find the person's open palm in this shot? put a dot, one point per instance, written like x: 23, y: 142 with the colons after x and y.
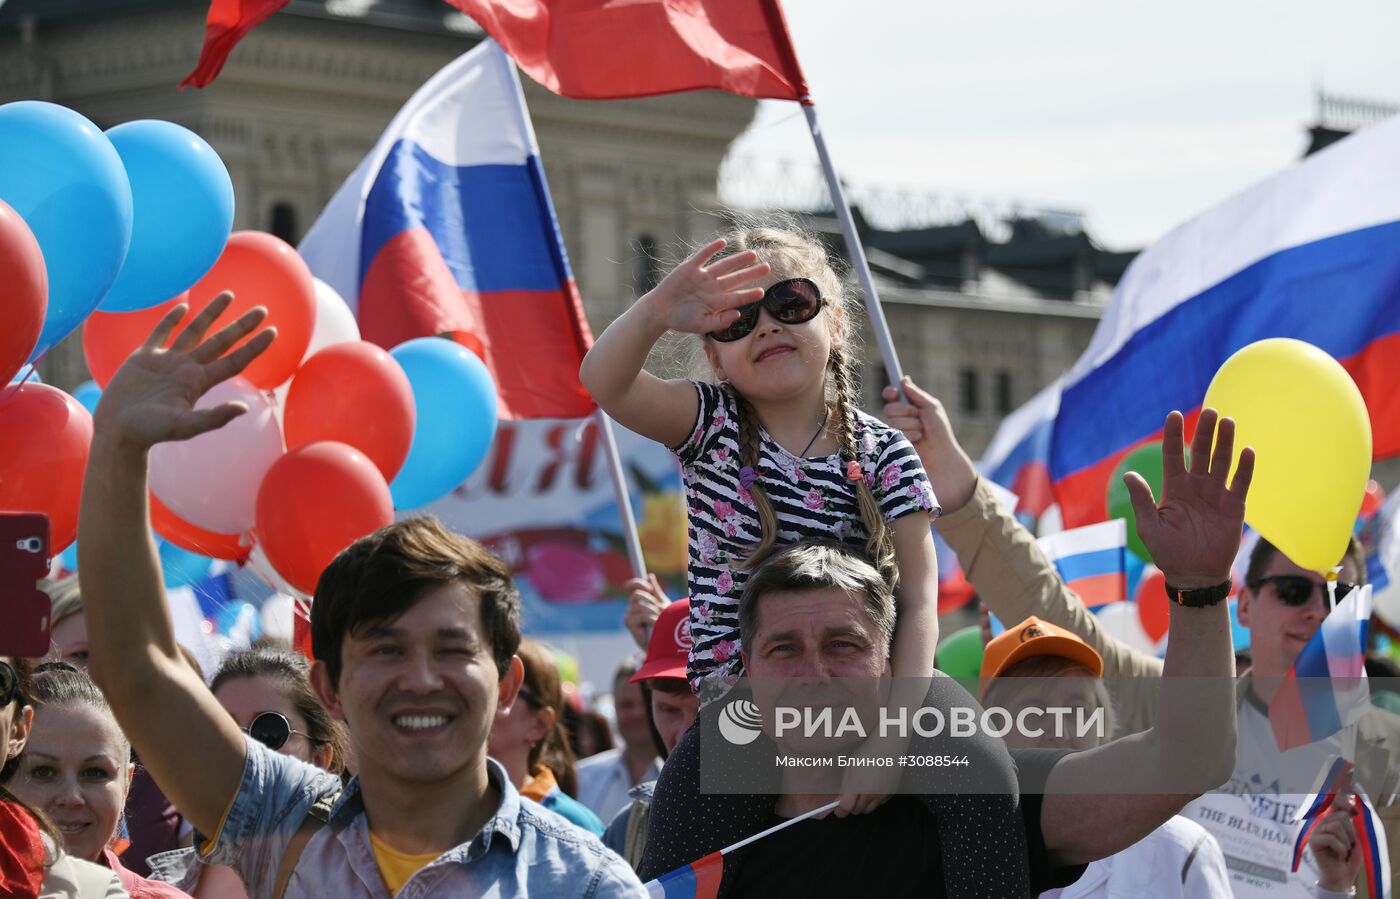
x: 152, y: 396
x: 1193, y: 533
x: 698, y: 298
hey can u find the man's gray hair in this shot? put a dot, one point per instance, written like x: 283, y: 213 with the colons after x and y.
x: 815, y: 565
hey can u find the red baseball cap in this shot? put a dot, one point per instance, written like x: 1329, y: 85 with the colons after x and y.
x: 669, y: 647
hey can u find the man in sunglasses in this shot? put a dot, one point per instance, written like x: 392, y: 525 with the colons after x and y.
x: 414, y: 632
x: 1281, y: 604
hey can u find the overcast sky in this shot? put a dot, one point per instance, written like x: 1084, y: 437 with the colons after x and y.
x: 1139, y: 115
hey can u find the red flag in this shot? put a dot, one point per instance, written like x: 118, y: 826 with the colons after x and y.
x: 602, y: 49
x: 225, y: 26
x: 598, y: 49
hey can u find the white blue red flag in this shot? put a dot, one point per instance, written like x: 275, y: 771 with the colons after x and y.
x: 447, y: 228
x: 1326, y: 689
x: 1018, y: 458
x: 1311, y: 253
x: 1315, y: 807
x: 1092, y: 560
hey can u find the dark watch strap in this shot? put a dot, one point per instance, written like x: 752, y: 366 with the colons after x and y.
x: 1199, y: 598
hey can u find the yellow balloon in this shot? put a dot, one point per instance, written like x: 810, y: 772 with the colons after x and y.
x: 1308, y: 424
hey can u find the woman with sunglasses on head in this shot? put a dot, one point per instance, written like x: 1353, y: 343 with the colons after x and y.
x: 76, y: 767
x: 528, y: 739
x: 776, y: 452
x: 268, y: 692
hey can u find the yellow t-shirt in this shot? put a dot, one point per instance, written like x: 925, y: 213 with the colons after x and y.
x: 394, y: 866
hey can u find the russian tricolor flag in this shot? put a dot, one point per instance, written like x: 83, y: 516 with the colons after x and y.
x: 1018, y: 458
x: 1311, y: 253
x: 1091, y: 561
x: 1315, y: 807
x: 1326, y: 689
x: 698, y: 880
x: 447, y: 227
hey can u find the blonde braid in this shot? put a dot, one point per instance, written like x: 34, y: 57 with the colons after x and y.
x: 750, y: 451
x: 878, y: 546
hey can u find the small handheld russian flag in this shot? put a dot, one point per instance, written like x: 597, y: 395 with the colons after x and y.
x: 1314, y: 808
x: 1091, y: 561
x: 1326, y: 688
x: 700, y: 879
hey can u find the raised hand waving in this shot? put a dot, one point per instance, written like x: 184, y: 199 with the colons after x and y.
x: 1193, y: 533
x: 152, y: 396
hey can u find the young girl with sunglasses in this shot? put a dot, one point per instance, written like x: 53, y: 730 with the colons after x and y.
x: 775, y: 453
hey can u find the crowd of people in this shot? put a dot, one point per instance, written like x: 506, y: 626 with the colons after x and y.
x: 427, y: 748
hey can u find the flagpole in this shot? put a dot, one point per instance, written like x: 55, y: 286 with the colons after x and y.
x: 624, y: 502
x: 848, y: 229
x: 619, y: 479
x: 777, y: 827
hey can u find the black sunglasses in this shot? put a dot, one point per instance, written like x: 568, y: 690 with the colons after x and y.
x: 791, y: 302
x: 9, y: 683
x: 1295, y: 590
x: 272, y: 729
x: 529, y: 698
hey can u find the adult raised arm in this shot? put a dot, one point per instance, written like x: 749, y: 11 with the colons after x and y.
x: 1002, y: 559
x: 190, y: 744
x: 1193, y: 534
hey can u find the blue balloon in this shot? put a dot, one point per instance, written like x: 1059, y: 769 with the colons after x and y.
x: 65, y: 179
x: 181, y: 567
x: 454, y: 400
x: 88, y: 393
x: 1239, y: 634
x: 69, y: 557
x: 27, y: 374
x: 182, y: 212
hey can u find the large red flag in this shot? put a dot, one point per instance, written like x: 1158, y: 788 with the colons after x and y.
x: 599, y: 49
x: 227, y: 22
x: 602, y: 49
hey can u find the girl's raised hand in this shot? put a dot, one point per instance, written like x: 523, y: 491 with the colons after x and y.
x: 151, y: 397
x: 698, y: 298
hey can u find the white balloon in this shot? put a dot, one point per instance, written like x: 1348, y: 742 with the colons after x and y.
x: 277, y: 617
x: 335, y: 323
x: 212, y: 480
x: 1120, y: 619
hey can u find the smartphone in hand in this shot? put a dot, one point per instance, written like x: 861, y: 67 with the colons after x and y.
x: 24, y: 608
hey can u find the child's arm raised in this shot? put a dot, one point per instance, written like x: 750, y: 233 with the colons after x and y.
x: 695, y: 298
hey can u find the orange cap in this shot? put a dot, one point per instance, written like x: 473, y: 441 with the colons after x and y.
x: 669, y: 646
x: 1031, y: 638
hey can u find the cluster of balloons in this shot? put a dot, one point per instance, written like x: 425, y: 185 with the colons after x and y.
x: 111, y: 231
x: 334, y: 439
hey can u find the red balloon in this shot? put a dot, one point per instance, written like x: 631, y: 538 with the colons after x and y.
x: 109, y: 337
x: 1152, y: 604
x: 354, y: 393
x: 315, y: 501
x: 263, y: 270
x: 468, y: 340
x: 193, y: 538
x: 43, y: 454
x: 24, y: 298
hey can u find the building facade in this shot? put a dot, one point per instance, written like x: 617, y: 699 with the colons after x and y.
x: 983, y: 323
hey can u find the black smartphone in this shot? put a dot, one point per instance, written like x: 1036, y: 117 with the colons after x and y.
x: 24, y: 608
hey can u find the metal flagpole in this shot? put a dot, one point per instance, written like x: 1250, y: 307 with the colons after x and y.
x: 619, y: 478
x: 848, y: 229
x: 624, y: 504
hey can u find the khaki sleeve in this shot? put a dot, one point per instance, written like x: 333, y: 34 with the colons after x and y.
x: 1015, y: 580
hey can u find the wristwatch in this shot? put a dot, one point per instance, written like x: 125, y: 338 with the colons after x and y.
x: 1199, y: 598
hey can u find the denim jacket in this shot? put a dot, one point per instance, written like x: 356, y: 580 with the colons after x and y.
x: 524, y: 850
